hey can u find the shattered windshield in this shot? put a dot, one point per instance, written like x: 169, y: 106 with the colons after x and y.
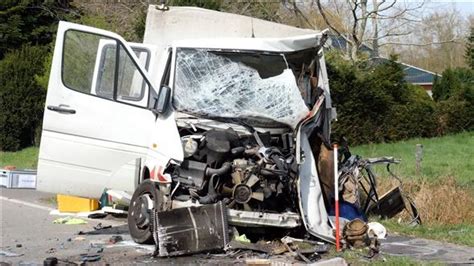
x: 258, y: 88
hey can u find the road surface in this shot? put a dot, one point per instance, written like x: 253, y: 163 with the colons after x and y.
x: 28, y: 235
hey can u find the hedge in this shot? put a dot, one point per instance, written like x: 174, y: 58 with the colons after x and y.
x: 21, y: 98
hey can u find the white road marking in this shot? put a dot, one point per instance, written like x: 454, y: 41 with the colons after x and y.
x: 29, y: 204
x: 55, y: 212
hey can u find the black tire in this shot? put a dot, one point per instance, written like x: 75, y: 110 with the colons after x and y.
x: 139, y: 227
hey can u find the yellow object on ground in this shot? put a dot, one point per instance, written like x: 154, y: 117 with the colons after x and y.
x: 242, y: 238
x: 76, y: 204
x: 69, y: 220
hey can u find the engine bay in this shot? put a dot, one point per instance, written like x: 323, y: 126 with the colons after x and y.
x: 248, y: 170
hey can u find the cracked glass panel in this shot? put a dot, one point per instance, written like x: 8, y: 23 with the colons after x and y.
x: 254, y: 87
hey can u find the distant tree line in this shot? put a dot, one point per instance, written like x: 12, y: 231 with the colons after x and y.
x: 374, y: 103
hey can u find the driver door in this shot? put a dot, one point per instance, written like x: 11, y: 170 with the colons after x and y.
x: 97, y: 122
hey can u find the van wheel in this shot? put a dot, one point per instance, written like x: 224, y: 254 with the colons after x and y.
x: 144, y: 199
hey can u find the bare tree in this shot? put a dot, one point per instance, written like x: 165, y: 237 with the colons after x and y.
x: 369, y: 23
x: 437, y: 43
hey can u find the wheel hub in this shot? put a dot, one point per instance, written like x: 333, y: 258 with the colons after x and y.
x: 141, y: 211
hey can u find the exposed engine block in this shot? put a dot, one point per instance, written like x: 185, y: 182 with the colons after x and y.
x: 253, y: 172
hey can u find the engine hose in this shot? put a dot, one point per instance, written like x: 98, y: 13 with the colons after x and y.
x: 270, y: 173
x: 225, y: 168
x: 211, y: 196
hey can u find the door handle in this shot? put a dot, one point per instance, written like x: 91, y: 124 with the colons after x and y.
x: 61, y: 109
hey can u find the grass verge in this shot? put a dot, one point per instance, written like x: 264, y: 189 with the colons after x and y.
x: 444, y: 156
x: 443, y: 193
x: 26, y: 158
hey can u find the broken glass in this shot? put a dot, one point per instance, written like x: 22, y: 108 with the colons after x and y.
x: 227, y: 85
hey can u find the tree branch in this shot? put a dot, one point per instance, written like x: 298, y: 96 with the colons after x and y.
x: 390, y: 35
x: 354, y: 25
x: 326, y: 20
x: 421, y: 44
x: 298, y: 11
x: 377, y: 10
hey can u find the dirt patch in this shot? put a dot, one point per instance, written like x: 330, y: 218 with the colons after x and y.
x: 440, y: 203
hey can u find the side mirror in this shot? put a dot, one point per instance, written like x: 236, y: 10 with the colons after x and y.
x: 163, y: 99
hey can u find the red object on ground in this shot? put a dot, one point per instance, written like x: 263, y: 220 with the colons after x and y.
x: 9, y: 167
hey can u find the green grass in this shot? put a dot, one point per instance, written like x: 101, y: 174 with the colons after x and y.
x: 448, y: 156
x: 444, y: 156
x: 24, y: 159
x: 458, y: 234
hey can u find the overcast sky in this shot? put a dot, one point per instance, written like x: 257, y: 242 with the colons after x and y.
x: 466, y: 7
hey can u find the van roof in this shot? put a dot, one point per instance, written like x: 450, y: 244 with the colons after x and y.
x: 288, y: 44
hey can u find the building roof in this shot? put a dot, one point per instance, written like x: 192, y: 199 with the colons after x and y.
x: 413, y: 74
x: 418, y: 75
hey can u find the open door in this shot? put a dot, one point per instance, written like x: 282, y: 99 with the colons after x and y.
x: 97, y: 123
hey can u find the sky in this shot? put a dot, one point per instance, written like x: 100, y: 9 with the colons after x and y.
x: 465, y: 7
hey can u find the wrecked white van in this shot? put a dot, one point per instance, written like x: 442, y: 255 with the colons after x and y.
x: 236, y: 119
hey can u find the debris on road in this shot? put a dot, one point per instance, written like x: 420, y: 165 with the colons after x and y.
x: 90, y: 257
x: 51, y: 250
x: 99, y: 226
x: 115, y: 239
x: 50, y: 261
x: 259, y: 246
x: 242, y: 238
x: 69, y: 220
x: 67, y: 203
x: 97, y: 215
x: 377, y: 229
x: 9, y: 254
x: 78, y: 214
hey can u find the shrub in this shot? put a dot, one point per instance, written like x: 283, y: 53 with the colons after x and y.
x: 454, y: 116
x: 375, y: 104
x: 21, y: 98
x: 454, y: 93
x: 413, y: 118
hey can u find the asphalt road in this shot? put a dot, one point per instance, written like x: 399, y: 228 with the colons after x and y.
x: 28, y: 235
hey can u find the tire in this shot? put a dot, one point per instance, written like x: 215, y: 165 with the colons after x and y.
x: 139, y: 222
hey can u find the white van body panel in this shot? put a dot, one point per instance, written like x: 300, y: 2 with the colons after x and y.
x: 102, y: 144
x: 108, y: 144
x: 187, y: 23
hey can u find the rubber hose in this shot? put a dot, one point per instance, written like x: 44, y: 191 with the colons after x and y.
x: 225, y: 168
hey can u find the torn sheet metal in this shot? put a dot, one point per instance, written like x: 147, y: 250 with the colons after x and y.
x: 315, y: 218
x: 192, y: 230
x: 253, y: 219
x: 216, y: 86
